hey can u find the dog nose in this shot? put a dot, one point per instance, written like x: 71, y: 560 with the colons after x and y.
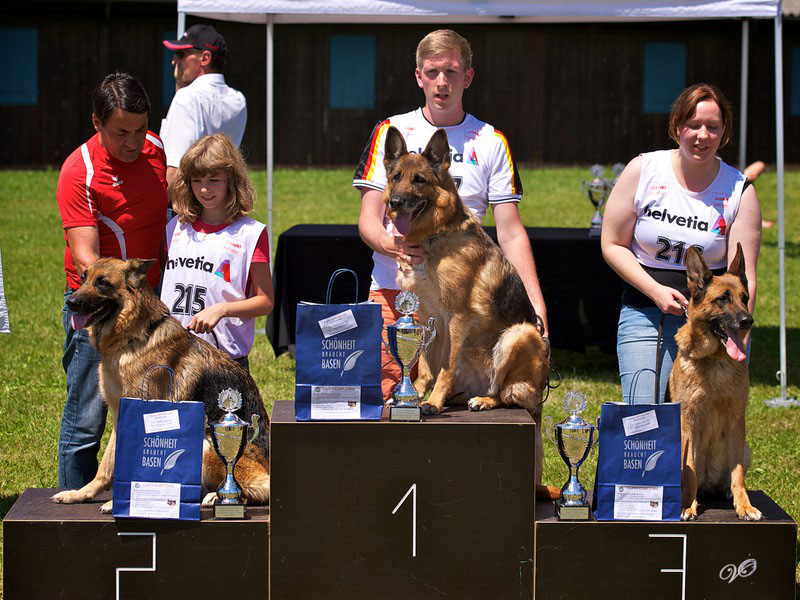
x: 745, y: 321
x: 395, y: 202
x: 73, y: 303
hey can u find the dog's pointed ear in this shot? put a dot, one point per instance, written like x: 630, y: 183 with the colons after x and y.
x: 394, y: 148
x: 136, y: 271
x: 737, y: 265
x: 438, y: 150
x: 698, y: 274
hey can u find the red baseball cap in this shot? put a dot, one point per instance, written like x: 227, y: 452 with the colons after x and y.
x: 199, y: 37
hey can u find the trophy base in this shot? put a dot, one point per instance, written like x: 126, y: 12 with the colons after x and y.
x: 405, y: 413
x: 574, y: 513
x: 229, y: 511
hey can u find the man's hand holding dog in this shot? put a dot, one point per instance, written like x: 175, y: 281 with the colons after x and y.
x: 404, y: 252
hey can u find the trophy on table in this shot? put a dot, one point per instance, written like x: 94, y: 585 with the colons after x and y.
x: 229, y: 437
x: 597, y: 190
x: 574, y: 438
x: 407, y: 339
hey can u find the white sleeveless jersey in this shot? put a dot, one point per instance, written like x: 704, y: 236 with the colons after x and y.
x: 480, y: 163
x: 671, y: 219
x: 206, y: 268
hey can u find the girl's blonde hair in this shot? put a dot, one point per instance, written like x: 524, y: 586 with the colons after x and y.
x: 212, y: 155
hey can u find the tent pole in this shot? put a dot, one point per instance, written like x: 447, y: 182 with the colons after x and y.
x: 779, y: 142
x: 270, y: 107
x: 181, y: 24
x: 744, y: 88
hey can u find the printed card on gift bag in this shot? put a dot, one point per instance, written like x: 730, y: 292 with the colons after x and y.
x: 638, y: 465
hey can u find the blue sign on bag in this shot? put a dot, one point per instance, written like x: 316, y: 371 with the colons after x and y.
x: 639, y: 462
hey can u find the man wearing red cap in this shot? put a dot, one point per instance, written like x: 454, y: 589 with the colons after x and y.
x: 203, y: 103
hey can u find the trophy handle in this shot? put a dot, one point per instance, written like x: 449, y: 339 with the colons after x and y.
x: 432, y: 329
x: 548, y: 429
x: 596, y: 435
x: 253, y: 428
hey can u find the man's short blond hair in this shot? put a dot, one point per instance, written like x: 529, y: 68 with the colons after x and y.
x: 441, y: 41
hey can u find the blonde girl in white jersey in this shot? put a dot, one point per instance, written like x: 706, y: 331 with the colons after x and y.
x: 663, y: 203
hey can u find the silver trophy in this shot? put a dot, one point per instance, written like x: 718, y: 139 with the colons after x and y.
x: 574, y: 438
x: 406, y: 341
x: 229, y: 436
x: 597, y: 190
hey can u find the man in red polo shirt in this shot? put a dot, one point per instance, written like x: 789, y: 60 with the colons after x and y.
x: 112, y: 196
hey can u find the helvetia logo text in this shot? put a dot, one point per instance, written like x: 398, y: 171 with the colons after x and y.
x: 667, y: 217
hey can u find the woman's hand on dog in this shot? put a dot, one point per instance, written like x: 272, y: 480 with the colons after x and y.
x: 669, y: 300
x: 405, y: 252
x: 207, y: 319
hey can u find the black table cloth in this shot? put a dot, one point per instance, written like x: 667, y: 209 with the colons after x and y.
x: 581, y: 291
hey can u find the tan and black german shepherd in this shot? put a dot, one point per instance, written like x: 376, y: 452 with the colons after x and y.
x: 711, y: 381
x: 133, y: 330
x: 488, y: 351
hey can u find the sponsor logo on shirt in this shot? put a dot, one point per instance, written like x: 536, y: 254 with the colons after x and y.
x: 473, y: 158
x: 116, y: 181
x: 689, y: 222
x: 199, y: 263
x: 720, y: 201
x: 656, y: 189
x: 224, y: 270
x: 719, y: 226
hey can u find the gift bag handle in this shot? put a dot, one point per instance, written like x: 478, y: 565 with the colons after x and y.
x: 335, y: 274
x: 145, y: 391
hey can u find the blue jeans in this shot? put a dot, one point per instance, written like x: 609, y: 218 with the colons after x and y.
x: 637, y: 336
x: 84, y: 417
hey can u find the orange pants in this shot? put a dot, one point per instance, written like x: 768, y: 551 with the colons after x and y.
x: 390, y: 370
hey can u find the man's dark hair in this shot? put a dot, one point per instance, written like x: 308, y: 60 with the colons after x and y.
x: 119, y: 90
x: 218, y: 62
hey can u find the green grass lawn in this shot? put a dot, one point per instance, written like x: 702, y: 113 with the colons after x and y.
x: 32, y: 381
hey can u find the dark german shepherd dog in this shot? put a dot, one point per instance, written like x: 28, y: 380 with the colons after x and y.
x: 711, y: 381
x: 488, y: 351
x: 134, y: 330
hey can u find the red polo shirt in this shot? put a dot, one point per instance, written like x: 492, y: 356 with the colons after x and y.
x: 127, y: 202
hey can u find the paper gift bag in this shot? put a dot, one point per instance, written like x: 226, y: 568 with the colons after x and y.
x: 338, y: 368
x: 639, y: 463
x: 159, y: 455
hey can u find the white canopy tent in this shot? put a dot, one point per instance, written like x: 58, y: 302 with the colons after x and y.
x: 270, y: 12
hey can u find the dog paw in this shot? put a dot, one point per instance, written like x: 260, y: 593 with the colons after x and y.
x: 209, y: 500
x: 430, y: 409
x: 107, y: 507
x: 68, y: 497
x: 689, y: 514
x: 481, y: 403
x: 748, y: 513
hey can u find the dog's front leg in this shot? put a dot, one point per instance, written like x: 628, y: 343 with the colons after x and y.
x: 446, y: 372
x: 105, y: 472
x: 424, y: 380
x: 688, y: 478
x: 741, y: 501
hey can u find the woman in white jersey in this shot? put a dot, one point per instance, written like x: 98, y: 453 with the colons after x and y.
x: 663, y: 203
x: 217, y: 278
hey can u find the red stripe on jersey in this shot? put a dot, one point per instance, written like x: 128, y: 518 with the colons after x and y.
x: 370, y: 166
x: 516, y: 184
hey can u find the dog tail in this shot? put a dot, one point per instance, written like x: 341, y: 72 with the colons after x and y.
x: 520, y: 366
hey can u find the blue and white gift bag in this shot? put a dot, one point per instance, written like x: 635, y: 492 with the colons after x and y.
x: 159, y: 455
x: 338, y: 360
x: 639, y: 463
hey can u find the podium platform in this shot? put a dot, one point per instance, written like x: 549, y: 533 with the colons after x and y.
x: 382, y: 510
x: 717, y: 556
x: 366, y: 509
x: 73, y: 551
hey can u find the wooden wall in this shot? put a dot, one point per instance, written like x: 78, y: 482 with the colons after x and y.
x: 562, y: 93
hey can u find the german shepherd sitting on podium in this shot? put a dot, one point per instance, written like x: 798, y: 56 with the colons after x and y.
x: 711, y: 381
x: 488, y: 351
x: 133, y: 330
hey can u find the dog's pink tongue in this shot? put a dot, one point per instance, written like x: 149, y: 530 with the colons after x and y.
x: 78, y: 322
x: 402, y: 222
x: 735, y: 346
